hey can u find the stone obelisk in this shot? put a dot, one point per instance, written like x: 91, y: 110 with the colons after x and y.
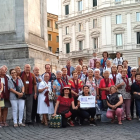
x: 23, y: 34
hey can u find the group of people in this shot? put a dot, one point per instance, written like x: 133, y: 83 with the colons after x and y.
x: 112, y: 82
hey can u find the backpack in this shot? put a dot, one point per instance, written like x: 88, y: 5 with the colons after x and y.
x: 113, y: 99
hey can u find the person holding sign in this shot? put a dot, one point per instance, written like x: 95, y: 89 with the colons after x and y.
x: 87, y: 106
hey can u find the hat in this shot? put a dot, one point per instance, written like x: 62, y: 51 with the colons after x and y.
x: 67, y: 86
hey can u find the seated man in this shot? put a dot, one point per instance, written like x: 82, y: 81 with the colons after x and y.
x: 85, y: 113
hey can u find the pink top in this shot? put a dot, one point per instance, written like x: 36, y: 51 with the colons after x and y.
x: 91, y: 62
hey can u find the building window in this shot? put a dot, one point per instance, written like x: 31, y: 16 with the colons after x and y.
x: 94, y: 3
x: 80, y: 45
x: 117, y: 0
x: 67, y: 30
x: 49, y: 37
x: 66, y: 9
x: 138, y: 37
x: 49, y: 23
x: 138, y: 16
x: 94, y: 23
x: 80, y: 27
x: 95, y: 43
x: 56, y: 25
x: 80, y: 5
x: 118, y: 19
x: 68, y: 48
x: 57, y: 39
x: 50, y: 48
x: 119, y: 39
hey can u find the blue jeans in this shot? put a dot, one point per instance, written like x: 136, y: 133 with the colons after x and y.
x: 138, y: 106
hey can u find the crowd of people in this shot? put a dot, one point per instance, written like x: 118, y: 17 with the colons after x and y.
x: 113, y: 82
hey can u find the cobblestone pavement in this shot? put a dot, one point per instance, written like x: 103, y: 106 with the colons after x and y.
x: 130, y: 130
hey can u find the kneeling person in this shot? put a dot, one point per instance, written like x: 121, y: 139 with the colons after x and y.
x: 86, y: 113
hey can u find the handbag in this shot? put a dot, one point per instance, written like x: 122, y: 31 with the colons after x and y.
x: 66, y: 113
x: 18, y: 90
x: 55, y: 122
x: 51, y: 96
x: 136, y: 96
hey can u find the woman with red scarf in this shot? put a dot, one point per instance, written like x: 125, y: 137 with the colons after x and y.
x: 135, y: 89
x: 58, y: 84
x: 5, y: 96
x: 76, y: 86
x: 114, y: 74
x: 104, y: 86
x: 124, y: 88
x: 132, y: 80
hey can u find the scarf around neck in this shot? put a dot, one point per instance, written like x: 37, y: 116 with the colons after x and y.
x: 6, y: 92
x: 114, y: 78
x: 62, y: 83
x: 30, y: 81
x: 76, y: 86
x: 104, y: 61
x: 127, y: 88
x: 68, y: 70
x: 106, y: 80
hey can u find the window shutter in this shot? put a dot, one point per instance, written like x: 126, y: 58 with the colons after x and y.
x: 67, y: 9
x: 94, y: 3
x: 67, y: 48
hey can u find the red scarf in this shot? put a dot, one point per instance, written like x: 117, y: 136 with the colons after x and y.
x: 6, y: 92
x: 47, y: 98
x: 62, y: 83
x: 65, y: 79
x: 128, y: 88
x: 68, y: 71
x: 30, y: 82
x: 104, y: 60
x: 49, y: 75
x: 0, y: 83
x: 95, y: 60
x: 132, y: 80
x: 76, y: 86
x: 138, y: 83
x: 106, y: 84
x: 114, y: 78
x: 79, y: 76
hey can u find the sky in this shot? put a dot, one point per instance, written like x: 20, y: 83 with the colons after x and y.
x: 52, y: 6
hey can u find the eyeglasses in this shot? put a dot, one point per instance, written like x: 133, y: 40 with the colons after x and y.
x: 13, y: 72
x: 133, y: 71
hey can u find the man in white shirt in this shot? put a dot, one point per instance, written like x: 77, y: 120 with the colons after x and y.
x: 108, y: 66
x: 118, y: 60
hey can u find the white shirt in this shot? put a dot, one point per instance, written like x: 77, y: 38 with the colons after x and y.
x: 106, y: 68
x: 118, y: 61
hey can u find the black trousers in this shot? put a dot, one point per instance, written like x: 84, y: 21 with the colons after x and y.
x: 64, y: 120
x: 35, y: 116
x: 133, y: 103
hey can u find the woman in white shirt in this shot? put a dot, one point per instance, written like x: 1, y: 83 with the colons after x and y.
x: 108, y: 66
x: 44, y: 105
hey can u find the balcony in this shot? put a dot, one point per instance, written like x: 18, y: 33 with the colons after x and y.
x: 101, y: 6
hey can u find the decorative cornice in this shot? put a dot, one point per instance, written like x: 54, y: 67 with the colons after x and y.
x: 66, y: 2
x: 95, y: 34
x: 136, y: 28
x: 87, y: 20
x: 73, y: 24
x: 119, y: 30
x: 67, y: 40
x: 80, y: 37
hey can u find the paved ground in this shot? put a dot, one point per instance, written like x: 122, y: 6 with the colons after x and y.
x: 104, y: 131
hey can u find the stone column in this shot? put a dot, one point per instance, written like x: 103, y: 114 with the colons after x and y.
x: 60, y: 10
x: 73, y: 8
x: 87, y: 33
x: 60, y: 40
x: 73, y: 37
x: 87, y: 5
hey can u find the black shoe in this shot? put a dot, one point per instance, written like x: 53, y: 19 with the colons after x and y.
x: 93, y: 123
x: 29, y: 123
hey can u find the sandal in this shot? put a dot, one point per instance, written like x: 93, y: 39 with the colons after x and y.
x: 15, y: 125
x: 5, y: 124
x: 120, y: 123
x: 46, y: 123
x: 1, y: 124
x: 42, y: 122
x: 21, y: 124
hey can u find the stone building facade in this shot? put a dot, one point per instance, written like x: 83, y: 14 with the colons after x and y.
x: 23, y: 34
x: 99, y: 25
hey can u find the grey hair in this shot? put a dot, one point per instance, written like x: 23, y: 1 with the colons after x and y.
x: 96, y: 70
x: 133, y: 68
x: 59, y: 71
x: 106, y: 71
x: 89, y: 70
